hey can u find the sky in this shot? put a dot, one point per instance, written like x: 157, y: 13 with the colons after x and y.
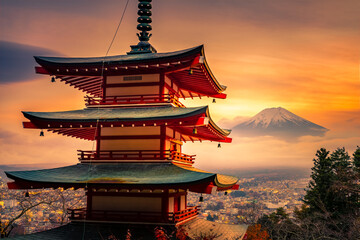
x: 300, y: 55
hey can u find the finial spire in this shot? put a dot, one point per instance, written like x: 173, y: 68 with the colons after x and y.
x: 144, y: 26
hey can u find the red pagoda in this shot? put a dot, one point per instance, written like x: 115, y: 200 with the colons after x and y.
x: 137, y: 174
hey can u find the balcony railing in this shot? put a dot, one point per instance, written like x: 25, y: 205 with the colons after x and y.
x: 134, y: 99
x: 123, y: 155
x: 189, y: 212
x: 102, y: 215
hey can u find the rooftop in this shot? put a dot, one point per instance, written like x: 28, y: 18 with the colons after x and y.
x: 132, y: 175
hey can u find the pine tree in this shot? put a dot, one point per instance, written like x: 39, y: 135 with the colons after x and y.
x: 318, y: 197
x: 342, y: 186
x: 356, y: 160
x: 332, y: 198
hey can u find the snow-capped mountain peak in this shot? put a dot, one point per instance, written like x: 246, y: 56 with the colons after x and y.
x: 279, y: 121
x: 273, y: 116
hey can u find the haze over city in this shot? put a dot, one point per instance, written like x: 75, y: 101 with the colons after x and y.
x: 299, y: 55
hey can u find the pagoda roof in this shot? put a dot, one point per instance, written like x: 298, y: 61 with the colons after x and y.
x: 118, y: 59
x: 82, y: 123
x: 131, y: 175
x: 118, y: 114
x: 87, y: 74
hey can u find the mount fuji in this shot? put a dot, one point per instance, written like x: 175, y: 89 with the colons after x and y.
x: 278, y: 122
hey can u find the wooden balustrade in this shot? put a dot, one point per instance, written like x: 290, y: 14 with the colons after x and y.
x: 189, y: 212
x: 81, y: 214
x: 121, y: 155
x: 134, y: 99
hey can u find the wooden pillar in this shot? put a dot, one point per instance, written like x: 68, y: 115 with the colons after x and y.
x: 97, y: 139
x: 162, y: 85
x: 103, y: 87
x: 165, y: 205
x: 162, y: 141
x: 89, y: 196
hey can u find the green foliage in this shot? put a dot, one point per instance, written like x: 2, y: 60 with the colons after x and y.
x: 278, y: 224
x: 331, y: 208
x: 334, y: 184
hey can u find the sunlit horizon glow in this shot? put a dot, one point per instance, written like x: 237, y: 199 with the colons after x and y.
x: 300, y: 56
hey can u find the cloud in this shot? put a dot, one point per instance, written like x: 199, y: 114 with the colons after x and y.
x: 17, y: 62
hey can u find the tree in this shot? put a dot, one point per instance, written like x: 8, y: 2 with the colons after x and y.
x: 317, y: 196
x: 332, y: 207
x: 278, y: 225
x: 26, y: 204
x: 257, y: 232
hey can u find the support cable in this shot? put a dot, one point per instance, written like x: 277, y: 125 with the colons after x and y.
x: 98, y: 119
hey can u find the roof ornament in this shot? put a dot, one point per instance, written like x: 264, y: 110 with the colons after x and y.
x: 144, y: 26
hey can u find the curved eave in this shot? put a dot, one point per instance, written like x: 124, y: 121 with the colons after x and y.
x: 209, y: 72
x: 86, y: 73
x: 221, y: 182
x: 145, y: 58
x: 114, y: 115
x: 201, y: 82
x: 209, y: 131
x: 131, y: 175
x: 82, y: 123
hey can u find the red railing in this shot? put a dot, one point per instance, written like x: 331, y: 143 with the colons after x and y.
x: 189, y: 212
x: 121, y: 155
x: 81, y: 214
x: 134, y: 99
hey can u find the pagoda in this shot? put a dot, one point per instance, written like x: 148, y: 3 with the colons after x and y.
x: 137, y: 173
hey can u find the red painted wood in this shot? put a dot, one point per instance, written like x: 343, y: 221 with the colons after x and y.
x: 103, y: 87
x: 41, y: 70
x: 98, y: 140
x: 129, y: 137
x: 132, y: 84
x: 29, y: 125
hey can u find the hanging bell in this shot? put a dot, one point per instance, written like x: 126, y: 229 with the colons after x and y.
x: 219, y: 145
x: 214, y: 100
x: 41, y: 133
x: 190, y: 71
x: 53, y: 79
x: 194, y: 130
x: 201, y: 199
x: 27, y: 194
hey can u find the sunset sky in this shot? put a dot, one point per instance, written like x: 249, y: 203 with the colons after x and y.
x: 301, y: 55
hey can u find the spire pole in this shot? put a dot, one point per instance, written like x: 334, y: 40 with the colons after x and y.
x: 144, y: 27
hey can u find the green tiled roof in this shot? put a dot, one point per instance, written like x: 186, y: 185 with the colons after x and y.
x: 129, y: 174
x: 115, y: 173
x: 118, y: 114
x: 119, y: 59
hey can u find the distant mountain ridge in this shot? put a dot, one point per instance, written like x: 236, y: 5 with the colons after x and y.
x: 278, y: 122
